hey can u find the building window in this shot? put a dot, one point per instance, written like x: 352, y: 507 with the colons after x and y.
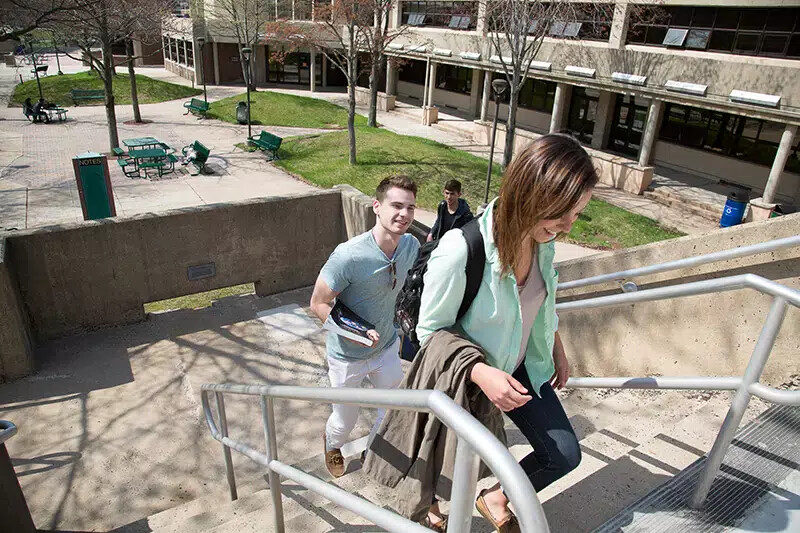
x: 459, y: 15
x: 455, y: 79
x: 627, y: 126
x: 175, y: 56
x: 576, y: 20
x: 537, y: 95
x: 189, y: 54
x: 771, y: 32
x: 181, y: 51
x: 583, y: 113
x: 302, y: 9
x: 165, y: 44
x: 412, y: 71
x: 748, y: 139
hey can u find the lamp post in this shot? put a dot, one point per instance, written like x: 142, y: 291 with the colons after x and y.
x: 200, y: 42
x: 55, y: 47
x: 246, y: 56
x: 35, y: 70
x: 499, y: 88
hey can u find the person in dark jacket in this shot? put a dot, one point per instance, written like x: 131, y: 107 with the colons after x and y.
x: 453, y: 212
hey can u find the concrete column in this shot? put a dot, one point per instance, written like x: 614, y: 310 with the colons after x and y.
x: 650, y: 130
x: 432, y: 84
x: 198, y: 64
x: 619, y: 26
x: 474, y: 95
x: 313, y: 69
x: 215, y: 53
x: 781, y: 156
x: 480, y: 24
x: 603, y: 119
x: 324, y: 70
x: 487, y: 92
x: 427, y: 81
x: 560, y: 107
x: 391, y: 78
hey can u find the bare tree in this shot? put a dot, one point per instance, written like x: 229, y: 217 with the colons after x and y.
x: 104, y: 23
x: 516, y: 31
x: 339, y: 32
x: 18, y: 17
x: 243, y: 20
x: 377, y: 40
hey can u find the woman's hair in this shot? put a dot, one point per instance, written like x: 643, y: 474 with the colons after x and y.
x: 546, y: 180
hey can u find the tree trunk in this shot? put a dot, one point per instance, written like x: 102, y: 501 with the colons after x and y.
x: 511, y: 125
x: 137, y: 115
x: 351, y: 110
x: 108, y: 85
x: 372, y: 117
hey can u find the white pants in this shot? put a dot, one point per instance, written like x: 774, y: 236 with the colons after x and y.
x: 384, y: 372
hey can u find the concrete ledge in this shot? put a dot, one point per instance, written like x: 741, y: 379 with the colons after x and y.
x: 101, y: 273
x: 356, y: 210
x: 616, y: 171
x: 16, y: 348
x: 700, y: 335
x: 386, y: 102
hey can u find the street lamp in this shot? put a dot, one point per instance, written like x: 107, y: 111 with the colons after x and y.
x: 499, y: 88
x: 246, y: 56
x: 35, y: 70
x: 200, y: 42
x: 55, y: 47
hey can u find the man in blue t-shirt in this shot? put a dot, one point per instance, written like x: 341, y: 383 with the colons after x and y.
x: 366, y: 273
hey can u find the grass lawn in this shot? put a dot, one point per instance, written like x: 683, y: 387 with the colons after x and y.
x: 56, y: 89
x: 195, y: 301
x: 322, y: 160
x: 276, y: 109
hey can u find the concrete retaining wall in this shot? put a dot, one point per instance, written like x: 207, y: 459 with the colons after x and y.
x: 101, y: 273
x: 699, y: 335
x: 614, y: 170
x: 16, y: 348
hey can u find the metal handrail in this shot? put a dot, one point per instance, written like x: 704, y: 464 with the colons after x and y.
x: 7, y: 430
x: 474, y: 441
x: 689, y: 262
x: 745, y: 386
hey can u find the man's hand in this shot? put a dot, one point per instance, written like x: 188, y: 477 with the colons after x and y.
x: 561, y: 375
x: 429, y: 238
x: 500, y: 387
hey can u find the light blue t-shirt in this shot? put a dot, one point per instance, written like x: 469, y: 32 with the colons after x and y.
x: 362, y: 275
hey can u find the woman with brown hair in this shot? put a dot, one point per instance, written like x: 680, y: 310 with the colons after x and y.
x: 513, y: 317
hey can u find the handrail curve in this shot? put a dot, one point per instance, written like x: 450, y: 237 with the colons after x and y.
x: 689, y: 262
x: 7, y: 430
x: 491, y: 451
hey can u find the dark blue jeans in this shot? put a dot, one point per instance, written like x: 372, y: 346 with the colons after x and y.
x: 544, y: 423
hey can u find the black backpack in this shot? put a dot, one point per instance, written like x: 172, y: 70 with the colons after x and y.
x: 406, y: 308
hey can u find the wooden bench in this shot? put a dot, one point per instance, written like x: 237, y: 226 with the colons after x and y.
x: 199, y: 157
x: 79, y: 95
x: 266, y: 142
x: 196, y: 106
x: 128, y: 168
x: 41, y: 69
x: 158, y: 165
x: 119, y: 152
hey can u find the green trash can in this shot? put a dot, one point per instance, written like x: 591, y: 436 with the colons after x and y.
x: 94, y: 186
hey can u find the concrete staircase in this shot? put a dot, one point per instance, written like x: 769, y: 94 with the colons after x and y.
x: 669, y: 198
x: 632, y: 442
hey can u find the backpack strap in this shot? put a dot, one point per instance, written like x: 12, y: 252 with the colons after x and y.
x: 476, y: 259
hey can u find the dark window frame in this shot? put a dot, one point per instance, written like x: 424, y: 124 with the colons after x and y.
x: 743, y: 38
x: 454, y: 78
x: 440, y: 14
x: 724, y: 134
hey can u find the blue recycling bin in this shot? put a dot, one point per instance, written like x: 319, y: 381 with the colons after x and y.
x: 733, y: 212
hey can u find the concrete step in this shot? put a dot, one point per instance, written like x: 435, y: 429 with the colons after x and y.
x: 696, y: 208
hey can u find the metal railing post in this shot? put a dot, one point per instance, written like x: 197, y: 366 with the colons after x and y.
x: 465, y: 479
x: 755, y: 367
x: 223, y: 427
x: 271, y: 444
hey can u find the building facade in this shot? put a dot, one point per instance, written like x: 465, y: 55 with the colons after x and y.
x: 707, y: 88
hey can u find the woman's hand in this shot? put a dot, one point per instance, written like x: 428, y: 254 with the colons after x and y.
x: 500, y: 387
x: 561, y: 375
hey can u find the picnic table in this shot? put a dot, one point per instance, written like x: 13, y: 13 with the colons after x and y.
x: 145, y: 154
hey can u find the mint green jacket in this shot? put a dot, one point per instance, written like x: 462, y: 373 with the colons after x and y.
x: 494, y: 321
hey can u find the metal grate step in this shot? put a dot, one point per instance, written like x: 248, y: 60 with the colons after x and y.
x: 761, y: 456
